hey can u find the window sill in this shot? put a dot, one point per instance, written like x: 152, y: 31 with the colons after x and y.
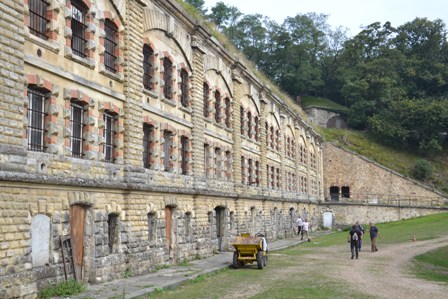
x: 186, y: 109
x: 88, y: 62
x: 150, y: 93
x: 115, y: 76
x: 169, y: 102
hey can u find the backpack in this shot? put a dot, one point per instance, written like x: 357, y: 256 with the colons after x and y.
x: 355, y: 236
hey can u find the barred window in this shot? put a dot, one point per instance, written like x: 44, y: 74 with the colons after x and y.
x: 148, y: 145
x: 183, y: 154
x: 217, y: 106
x: 257, y: 173
x: 37, y: 19
x: 242, y: 119
x: 167, y: 150
x: 167, y: 78
x: 184, y: 88
x: 228, y: 164
x: 249, y: 124
x: 110, y: 45
x: 77, y: 127
x: 109, y: 137
x: 78, y: 25
x: 206, y: 91
x: 228, y: 112
x: 206, y: 159
x: 249, y: 170
x: 148, y: 55
x: 36, y: 119
x: 243, y: 171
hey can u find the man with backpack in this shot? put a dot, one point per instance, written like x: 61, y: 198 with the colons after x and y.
x: 353, y: 237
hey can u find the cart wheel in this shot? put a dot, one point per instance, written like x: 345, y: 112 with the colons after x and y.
x: 236, y: 264
x: 260, y: 259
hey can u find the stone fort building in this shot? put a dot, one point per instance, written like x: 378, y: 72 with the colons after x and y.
x: 131, y: 138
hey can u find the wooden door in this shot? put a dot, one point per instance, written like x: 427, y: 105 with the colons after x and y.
x: 77, y: 217
x: 219, y: 211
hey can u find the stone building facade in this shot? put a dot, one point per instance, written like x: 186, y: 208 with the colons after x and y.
x: 131, y: 138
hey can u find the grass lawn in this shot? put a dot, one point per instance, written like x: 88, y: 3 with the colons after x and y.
x: 433, y: 265
x: 286, y: 277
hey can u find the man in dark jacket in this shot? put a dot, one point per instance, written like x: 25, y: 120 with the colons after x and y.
x: 353, y: 236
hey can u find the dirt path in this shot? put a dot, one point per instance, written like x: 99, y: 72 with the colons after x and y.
x: 385, y: 273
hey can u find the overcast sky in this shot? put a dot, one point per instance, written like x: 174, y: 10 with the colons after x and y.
x: 347, y: 13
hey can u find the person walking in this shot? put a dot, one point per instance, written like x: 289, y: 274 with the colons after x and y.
x: 299, y: 223
x: 305, y: 228
x: 353, y: 237
x: 374, y: 234
x: 361, y: 229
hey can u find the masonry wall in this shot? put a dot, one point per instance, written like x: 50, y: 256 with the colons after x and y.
x: 369, y: 182
x: 263, y: 166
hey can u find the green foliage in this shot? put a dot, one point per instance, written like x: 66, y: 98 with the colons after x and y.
x: 433, y: 265
x: 65, y: 288
x: 422, y: 169
x: 127, y: 273
x: 310, y: 101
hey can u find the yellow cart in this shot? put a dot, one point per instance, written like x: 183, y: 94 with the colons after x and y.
x: 248, y: 250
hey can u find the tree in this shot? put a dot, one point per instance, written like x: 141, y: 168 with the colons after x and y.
x: 224, y: 16
x: 198, y: 4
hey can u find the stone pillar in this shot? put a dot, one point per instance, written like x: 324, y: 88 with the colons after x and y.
x: 197, y: 104
x: 263, y: 149
x: 297, y: 158
x: 133, y: 70
x: 237, y: 94
x: 12, y: 77
x: 281, y: 150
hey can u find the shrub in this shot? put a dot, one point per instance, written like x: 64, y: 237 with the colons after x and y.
x: 422, y: 169
x: 65, y: 288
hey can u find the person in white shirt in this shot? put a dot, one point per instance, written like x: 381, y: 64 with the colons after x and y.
x: 305, y: 228
x: 299, y: 223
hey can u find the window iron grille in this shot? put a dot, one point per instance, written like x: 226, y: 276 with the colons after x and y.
x: 36, y: 120
x: 110, y: 45
x: 147, y: 68
x: 217, y: 106
x: 148, y: 131
x: 184, y: 149
x: 77, y: 125
x: 37, y: 18
x: 168, y: 78
x: 206, y: 91
x: 109, y: 134
x: 184, y: 88
x: 78, y: 29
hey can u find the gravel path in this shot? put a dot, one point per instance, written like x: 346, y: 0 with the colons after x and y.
x: 385, y: 273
